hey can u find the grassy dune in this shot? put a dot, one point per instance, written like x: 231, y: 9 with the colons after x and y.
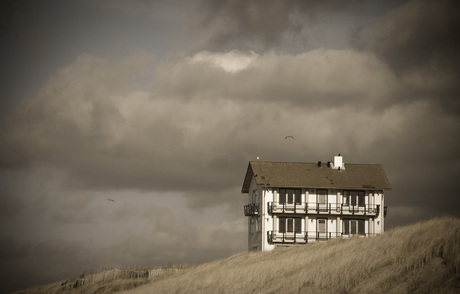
x: 419, y: 258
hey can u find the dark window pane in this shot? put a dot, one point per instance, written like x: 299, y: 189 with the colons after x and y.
x: 298, y: 198
x: 361, y: 198
x: 346, y: 198
x: 290, y: 225
x: 290, y: 196
x: 353, y: 195
x: 282, y: 224
x: 361, y: 227
x: 346, y: 227
x: 298, y: 225
x: 282, y: 196
x: 353, y: 227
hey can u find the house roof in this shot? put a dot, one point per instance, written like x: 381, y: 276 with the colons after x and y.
x: 309, y: 175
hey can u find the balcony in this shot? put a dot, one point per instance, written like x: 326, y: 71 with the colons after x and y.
x: 276, y: 237
x: 315, y: 208
x: 251, y: 209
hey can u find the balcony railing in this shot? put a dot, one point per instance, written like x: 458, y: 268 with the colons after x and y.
x: 307, y: 236
x: 251, y: 209
x: 323, y: 208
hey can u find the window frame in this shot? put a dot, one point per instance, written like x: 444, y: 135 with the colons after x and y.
x: 290, y: 225
x: 354, y: 198
x: 353, y: 227
x: 289, y: 196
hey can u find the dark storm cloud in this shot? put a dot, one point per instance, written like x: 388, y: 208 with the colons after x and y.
x: 420, y: 34
x: 418, y: 41
x: 194, y: 130
x: 173, y: 241
x: 167, y: 240
x: 238, y: 23
x: 170, y: 138
x: 95, y: 127
x: 27, y: 264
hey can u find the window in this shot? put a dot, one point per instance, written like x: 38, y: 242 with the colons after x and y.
x: 282, y: 225
x: 290, y: 225
x: 346, y: 227
x: 361, y: 199
x: 254, y: 225
x: 346, y: 198
x: 298, y: 196
x: 354, y: 198
x: 288, y: 196
x: 282, y: 196
x: 353, y: 195
x: 361, y: 230
x: 255, y: 196
x: 353, y: 227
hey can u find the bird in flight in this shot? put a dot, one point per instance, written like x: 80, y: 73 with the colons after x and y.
x: 287, y: 137
x: 110, y: 199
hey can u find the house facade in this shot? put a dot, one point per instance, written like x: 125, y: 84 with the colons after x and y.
x: 298, y: 203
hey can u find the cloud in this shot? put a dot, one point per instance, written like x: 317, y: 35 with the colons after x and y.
x: 418, y: 34
x: 173, y: 241
x: 202, y: 117
x: 96, y: 127
x: 314, y: 77
x: 10, y: 206
x: 27, y: 264
x: 232, y: 61
x: 236, y: 24
x: 417, y: 42
x: 129, y: 232
x: 170, y: 139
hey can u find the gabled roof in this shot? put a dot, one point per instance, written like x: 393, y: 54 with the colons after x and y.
x: 309, y: 175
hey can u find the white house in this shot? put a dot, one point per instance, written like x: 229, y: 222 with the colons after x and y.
x: 297, y: 202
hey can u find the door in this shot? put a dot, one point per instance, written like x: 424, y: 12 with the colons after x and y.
x: 322, y: 200
x: 321, y: 229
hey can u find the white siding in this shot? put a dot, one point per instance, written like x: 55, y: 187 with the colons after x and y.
x: 334, y: 223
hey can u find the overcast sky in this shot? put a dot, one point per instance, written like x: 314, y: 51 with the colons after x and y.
x: 159, y: 105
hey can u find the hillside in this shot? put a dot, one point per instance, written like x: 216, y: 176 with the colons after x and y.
x: 418, y: 258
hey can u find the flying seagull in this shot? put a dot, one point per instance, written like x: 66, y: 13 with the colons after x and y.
x: 110, y: 199
x: 287, y: 137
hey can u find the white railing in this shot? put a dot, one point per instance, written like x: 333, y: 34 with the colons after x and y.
x: 323, y: 208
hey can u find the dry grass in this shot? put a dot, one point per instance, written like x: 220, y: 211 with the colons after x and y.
x: 108, y: 280
x: 420, y: 258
